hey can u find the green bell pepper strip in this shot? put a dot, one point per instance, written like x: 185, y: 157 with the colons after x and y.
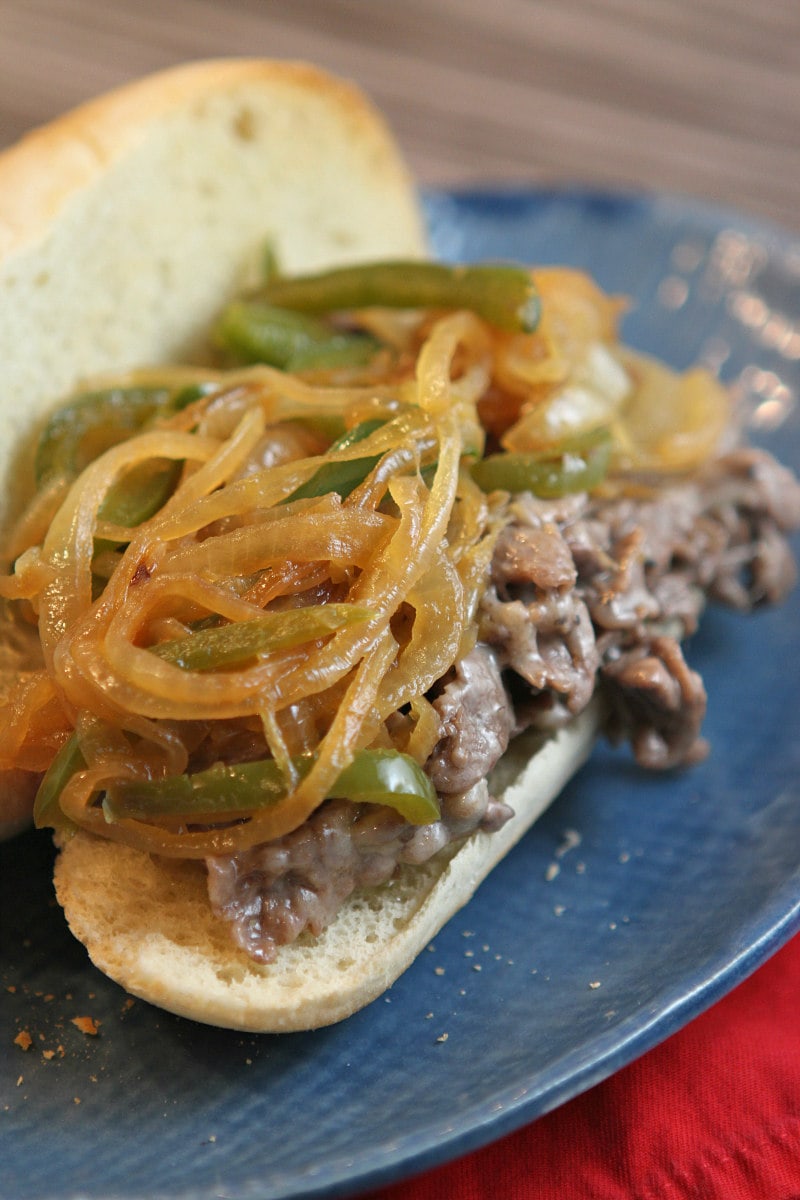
x: 270, y: 263
x: 227, y: 645
x: 505, y: 296
x: 254, y: 332
x: 46, y: 808
x: 140, y: 494
x: 91, y: 423
x: 572, y: 468
x: 374, y: 776
x: 341, y: 477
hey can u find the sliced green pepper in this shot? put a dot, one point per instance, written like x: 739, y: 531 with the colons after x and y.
x: 374, y: 777
x: 226, y: 645
x: 46, y: 808
x: 505, y: 296
x: 91, y: 423
x: 140, y: 494
x: 270, y: 263
x: 254, y: 332
x: 573, y: 468
x: 341, y: 477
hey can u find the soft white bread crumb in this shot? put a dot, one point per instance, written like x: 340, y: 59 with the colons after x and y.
x: 148, y: 924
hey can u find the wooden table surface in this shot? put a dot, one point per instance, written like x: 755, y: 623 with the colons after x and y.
x: 693, y: 96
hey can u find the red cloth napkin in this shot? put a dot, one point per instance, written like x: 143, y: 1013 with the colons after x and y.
x: 711, y: 1114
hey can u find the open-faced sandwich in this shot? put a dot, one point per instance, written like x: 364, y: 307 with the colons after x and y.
x: 332, y: 561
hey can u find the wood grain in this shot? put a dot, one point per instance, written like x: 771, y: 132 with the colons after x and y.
x: 694, y: 96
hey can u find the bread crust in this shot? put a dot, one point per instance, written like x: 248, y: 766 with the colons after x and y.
x: 147, y: 922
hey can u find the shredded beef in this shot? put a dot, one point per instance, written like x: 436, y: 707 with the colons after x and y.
x: 271, y: 893
x: 477, y: 720
x: 656, y: 701
x: 584, y: 593
x: 644, y: 569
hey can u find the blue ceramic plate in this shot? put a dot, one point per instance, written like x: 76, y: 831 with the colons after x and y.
x: 679, y: 886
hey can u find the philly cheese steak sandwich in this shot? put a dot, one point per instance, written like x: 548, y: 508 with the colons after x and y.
x: 333, y: 559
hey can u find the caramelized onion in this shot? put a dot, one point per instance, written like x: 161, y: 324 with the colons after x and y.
x: 406, y: 542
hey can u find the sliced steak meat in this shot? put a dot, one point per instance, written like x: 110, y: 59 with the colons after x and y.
x: 657, y: 702
x: 643, y: 569
x: 271, y: 893
x: 477, y: 720
x: 581, y: 590
x: 533, y: 614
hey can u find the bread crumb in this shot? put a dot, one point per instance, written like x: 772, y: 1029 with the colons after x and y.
x: 442, y: 1037
x: 23, y: 1040
x: 476, y: 966
x: 571, y: 839
x: 76, y: 1099
x: 20, y: 1079
x: 624, y: 857
x: 48, y: 1054
x: 86, y: 1025
x: 559, y: 910
x: 594, y: 984
x: 12, y: 988
x: 551, y: 872
x: 438, y: 970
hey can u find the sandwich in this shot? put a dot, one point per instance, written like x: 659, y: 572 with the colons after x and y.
x: 333, y: 561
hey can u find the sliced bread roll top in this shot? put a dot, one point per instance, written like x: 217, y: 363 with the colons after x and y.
x: 127, y: 224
